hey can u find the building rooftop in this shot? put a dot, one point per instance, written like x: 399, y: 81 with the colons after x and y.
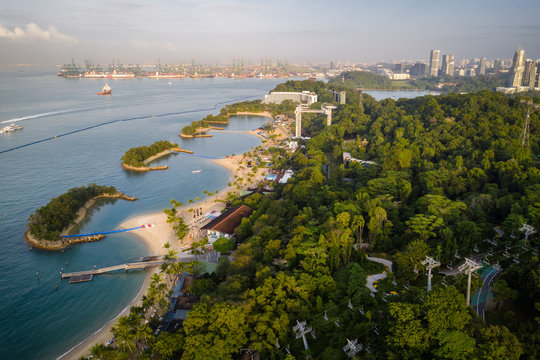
x: 229, y: 220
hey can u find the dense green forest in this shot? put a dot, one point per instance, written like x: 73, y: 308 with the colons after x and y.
x: 136, y: 156
x: 458, y: 84
x: 49, y: 220
x: 448, y: 170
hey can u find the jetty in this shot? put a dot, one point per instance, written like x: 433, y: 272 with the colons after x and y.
x: 128, y: 266
x: 145, y: 263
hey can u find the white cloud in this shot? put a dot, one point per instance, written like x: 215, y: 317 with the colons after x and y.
x: 34, y: 32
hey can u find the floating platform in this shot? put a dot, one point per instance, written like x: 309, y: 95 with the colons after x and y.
x: 80, y: 278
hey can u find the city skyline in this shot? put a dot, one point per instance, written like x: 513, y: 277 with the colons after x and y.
x: 53, y: 32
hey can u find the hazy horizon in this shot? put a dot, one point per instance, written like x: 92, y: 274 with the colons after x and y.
x: 132, y: 31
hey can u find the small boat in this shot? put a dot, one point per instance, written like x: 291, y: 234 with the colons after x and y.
x: 106, y: 90
x: 196, y: 171
x: 10, y: 128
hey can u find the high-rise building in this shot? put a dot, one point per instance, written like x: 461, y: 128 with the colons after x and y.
x: 497, y: 65
x: 537, y: 74
x: 482, y: 70
x: 529, y: 77
x: 418, y: 70
x: 434, y: 62
x: 448, y: 65
x: 518, y: 66
x: 444, y: 65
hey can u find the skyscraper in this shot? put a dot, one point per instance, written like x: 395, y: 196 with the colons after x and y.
x: 448, y: 65
x: 497, y: 65
x: 529, y: 77
x: 418, y: 70
x: 482, y: 70
x: 518, y: 66
x: 434, y: 62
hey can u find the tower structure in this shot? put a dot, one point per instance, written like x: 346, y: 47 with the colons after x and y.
x: 524, y: 139
x: 434, y: 62
x: 518, y: 67
x: 448, y: 65
x: 529, y: 77
x: 482, y: 70
x: 469, y: 267
x: 430, y: 264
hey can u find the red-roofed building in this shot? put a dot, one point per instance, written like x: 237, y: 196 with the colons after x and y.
x: 224, y: 224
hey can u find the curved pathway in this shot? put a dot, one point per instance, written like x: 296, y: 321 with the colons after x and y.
x: 480, y: 298
x: 372, y: 278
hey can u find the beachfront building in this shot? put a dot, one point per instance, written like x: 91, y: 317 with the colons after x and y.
x: 304, y: 97
x: 224, y: 224
x: 181, y: 303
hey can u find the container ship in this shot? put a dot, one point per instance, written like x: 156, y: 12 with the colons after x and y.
x: 161, y: 75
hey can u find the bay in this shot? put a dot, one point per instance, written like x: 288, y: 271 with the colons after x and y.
x: 72, y: 137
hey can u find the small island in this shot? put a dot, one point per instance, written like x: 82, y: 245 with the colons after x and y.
x: 56, y: 219
x: 255, y: 107
x: 137, y: 159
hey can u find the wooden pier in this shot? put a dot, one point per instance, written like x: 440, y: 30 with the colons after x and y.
x: 105, y: 270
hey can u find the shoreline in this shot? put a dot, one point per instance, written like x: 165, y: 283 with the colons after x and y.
x: 156, y: 237
x: 103, y: 334
x: 155, y: 157
x: 262, y: 113
x: 81, y: 215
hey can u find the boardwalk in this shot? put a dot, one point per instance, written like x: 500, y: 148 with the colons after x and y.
x: 140, y: 265
x: 125, y: 267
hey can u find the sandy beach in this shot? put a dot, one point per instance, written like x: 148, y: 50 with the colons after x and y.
x: 241, y: 177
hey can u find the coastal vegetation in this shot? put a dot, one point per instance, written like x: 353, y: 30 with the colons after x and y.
x: 196, y: 128
x: 178, y: 225
x: 448, y: 172
x: 137, y: 156
x: 369, y: 81
x: 48, y: 221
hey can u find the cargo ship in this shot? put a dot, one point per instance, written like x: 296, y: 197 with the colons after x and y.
x: 160, y: 75
x: 120, y: 75
x: 106, y: 90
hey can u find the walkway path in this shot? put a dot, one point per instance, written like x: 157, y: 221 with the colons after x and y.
x: 373, y: 278
x: 481, y: 297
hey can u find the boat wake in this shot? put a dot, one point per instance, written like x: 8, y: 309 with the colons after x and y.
x: 123, y: 120
x: 37, y: 116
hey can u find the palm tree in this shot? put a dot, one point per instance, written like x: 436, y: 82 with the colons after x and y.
x: 143, y: 334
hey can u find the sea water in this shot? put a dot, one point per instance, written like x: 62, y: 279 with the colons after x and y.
x: 73, y: 137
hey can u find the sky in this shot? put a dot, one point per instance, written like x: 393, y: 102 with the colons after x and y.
x: 218, y: 31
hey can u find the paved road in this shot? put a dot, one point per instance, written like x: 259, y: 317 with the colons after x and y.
x: 372, y: 278
x: 480, y: 297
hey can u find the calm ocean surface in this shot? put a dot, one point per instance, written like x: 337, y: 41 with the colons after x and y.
x: 73, y: 137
